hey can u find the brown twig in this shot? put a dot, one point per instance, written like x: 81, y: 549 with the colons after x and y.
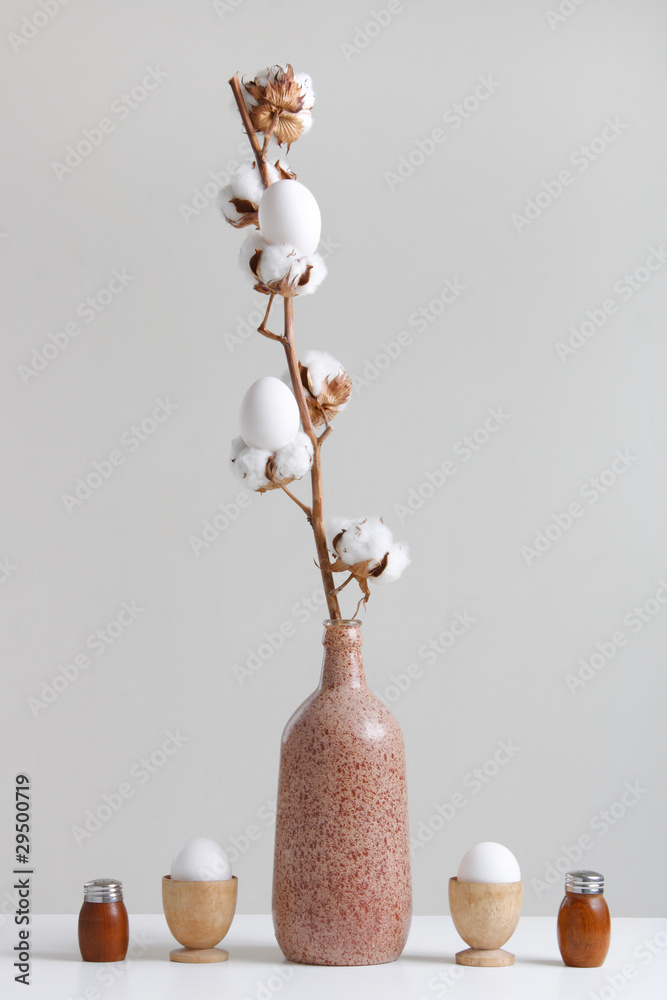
x: 317, y: 521
x: 262, y: 328
x: 345, y: 583
x: 307, y: 511
x: 260, y: 158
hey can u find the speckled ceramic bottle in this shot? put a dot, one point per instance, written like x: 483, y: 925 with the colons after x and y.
x: 342, y: 890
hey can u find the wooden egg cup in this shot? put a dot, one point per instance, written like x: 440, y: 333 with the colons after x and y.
x: 485, y: 914
x: 199, y: 914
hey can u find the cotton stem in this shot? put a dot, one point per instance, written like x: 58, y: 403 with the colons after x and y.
x: 317, y: 519
x: 260, y: 158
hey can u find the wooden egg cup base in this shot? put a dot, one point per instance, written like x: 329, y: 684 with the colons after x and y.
x: 493, y: 958
x: 198, y: 956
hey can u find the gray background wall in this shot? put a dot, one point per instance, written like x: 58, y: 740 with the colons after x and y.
x: 585, y: 767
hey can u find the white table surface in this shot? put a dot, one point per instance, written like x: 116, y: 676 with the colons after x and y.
x: 636, y: 966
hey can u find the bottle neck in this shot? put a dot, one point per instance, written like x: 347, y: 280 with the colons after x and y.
x: 342, y: 665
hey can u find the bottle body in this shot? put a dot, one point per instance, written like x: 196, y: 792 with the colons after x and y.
x: 104, y: 930
x: 342, y: 881
x: 584, y: 926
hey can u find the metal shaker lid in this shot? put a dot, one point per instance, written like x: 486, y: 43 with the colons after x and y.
x: 103, y: 890
x: 584, y: 881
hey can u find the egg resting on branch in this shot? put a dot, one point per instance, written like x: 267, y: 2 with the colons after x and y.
x: 239, y: 200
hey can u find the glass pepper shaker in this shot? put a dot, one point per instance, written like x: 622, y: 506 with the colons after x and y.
x: 584, y: 925
x: 104, y: 931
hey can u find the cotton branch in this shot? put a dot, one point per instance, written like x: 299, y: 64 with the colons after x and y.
x: 316, y: 513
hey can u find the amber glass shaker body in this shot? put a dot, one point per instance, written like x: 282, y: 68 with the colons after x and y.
x: 104, y: 931
x: 584, y: 925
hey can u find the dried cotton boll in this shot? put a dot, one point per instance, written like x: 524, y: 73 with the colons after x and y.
x: 246, y: 181
x: 239, y: 200
x: 314, y: 274
x: 306, y: 120
x: 265, y: 262
x: 238, y: 444
x: 279, y: 103
x: 237, y: 212
x: 294, y: 460
x: 276, y: 267
x: 276, y: 74
x: 280, y: 262
x: 364, y: 547
x: 361, y: 539
x: 253, y: 244
x: 320, y: 366
x: 261, y: 79
x: 305, y: 82
x: 327, y: 384
x: 398, y: 559
x: 247, y: 184
x: 249, y: 464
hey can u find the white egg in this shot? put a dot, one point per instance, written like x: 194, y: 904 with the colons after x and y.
x: 288, y: 213
x: 269, y: 415
x: 489, y: 862
x: 200, y: 860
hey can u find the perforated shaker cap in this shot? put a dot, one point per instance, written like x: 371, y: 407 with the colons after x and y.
x: 103, y: 890
x: 585, y: 882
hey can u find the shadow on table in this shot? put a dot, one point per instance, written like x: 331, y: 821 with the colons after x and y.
x: 440, y: 959
x: 264, y: 954
x: 156, y: 952
x: 544, y: 961
x: 56, y: 956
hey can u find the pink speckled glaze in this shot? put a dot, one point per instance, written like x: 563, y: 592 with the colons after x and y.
x: 342, y: 892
